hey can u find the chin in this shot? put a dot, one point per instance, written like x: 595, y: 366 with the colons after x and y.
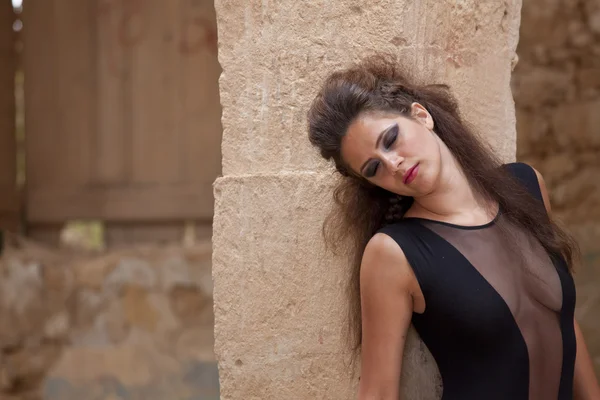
x: 420, y: 187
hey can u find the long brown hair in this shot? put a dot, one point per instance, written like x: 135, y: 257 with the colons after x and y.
x: 375, y: 84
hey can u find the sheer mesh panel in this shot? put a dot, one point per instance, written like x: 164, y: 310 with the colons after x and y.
x: 530, y: 286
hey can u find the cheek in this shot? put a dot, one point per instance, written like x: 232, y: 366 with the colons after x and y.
x: 390, y: 183
x: 394, y: 184
x: 419, y: 141
x: 429, y: 178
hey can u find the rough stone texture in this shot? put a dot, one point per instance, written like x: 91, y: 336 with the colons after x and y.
x: 278, y: 312
x: 129, y: 324
x: 278, y: 305
x: 557, y: 94
x: 274, y: 54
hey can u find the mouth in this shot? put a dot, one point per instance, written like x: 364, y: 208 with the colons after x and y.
x: 411, y: 174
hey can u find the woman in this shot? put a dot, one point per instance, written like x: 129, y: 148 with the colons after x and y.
x: 446, y: 237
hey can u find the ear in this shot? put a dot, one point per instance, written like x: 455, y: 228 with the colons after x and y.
x: 421, y: 114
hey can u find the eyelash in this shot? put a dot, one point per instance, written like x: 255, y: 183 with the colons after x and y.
x: 372, y: 170
x: 388, y: 142
x: 390, y: 139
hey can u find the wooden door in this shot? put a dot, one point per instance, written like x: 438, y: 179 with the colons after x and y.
x: 122, y: 112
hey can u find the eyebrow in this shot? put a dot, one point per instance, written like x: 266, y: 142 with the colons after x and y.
x: 381, y: 135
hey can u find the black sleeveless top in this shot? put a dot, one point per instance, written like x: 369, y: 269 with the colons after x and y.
x: 499, y: 323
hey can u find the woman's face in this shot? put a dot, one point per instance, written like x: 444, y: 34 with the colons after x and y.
x: 393, y: 152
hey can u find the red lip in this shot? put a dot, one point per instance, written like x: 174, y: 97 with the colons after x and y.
x: 411, y: 174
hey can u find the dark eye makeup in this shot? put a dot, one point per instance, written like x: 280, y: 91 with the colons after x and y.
x: 390, y: 137
x: 371, y: 169
x: 388, y: 140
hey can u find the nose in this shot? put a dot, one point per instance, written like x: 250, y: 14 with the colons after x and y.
x: 392, y: 162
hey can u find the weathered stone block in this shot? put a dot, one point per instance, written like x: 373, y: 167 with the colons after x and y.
x: 533, y: 132
x: 576, y: 124
x: 83, y: 326
x: 275, y: 54
x: 537, y: 87
x: 545, y: 22
x: 279, y: 302
x: 131, y: 271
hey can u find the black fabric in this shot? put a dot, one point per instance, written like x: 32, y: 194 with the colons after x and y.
x: 499, y: 309
x: 526, y: 175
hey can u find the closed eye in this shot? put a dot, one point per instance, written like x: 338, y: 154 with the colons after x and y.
x: 371, y: 169
x: 386, y: 138
x: 391, y: 137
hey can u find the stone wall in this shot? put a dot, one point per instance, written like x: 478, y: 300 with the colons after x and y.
x: 129, y: 324
x: 556, y: 86
x: 279, y: 307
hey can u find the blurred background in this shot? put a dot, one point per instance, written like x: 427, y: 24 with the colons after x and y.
x: 109, y: 143
x: 556, y: 87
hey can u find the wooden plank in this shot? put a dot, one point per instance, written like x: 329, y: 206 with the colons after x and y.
x: 155, y: 125
x: 7, y: 95
x: 59, y: 91
x: 43, y: 143
x: 9, y: 198
x: 10, y: 223
x: 123, y: 120
x: 129, y: 203
x: 203, y: 231
x: 75, y: 22
x: 49, y: 234
x: 200, y: 92
x: 123, y: 234
x: 40, y: 91
x: 113, y: 141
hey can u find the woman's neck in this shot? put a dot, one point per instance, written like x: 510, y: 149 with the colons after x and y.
x: 453, y: 199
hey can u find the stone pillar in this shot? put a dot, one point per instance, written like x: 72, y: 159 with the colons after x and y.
x: 279, y: 308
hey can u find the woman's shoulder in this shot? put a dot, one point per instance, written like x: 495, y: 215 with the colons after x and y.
x: 518, y: 168
x: 385, y: 266
x: 522, y: 170
x: 382, y: 247
x: 383, y: 252
x: 402, y: 228
x: 529, y: 177
x: 401, y: 242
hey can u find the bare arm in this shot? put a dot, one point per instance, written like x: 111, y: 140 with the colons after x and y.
x: 585, y: 384
x: 387, y: 286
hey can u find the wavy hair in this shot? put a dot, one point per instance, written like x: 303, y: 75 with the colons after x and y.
x: 378, y: 84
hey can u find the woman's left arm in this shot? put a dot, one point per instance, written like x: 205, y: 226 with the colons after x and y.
x: 585, y: 384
